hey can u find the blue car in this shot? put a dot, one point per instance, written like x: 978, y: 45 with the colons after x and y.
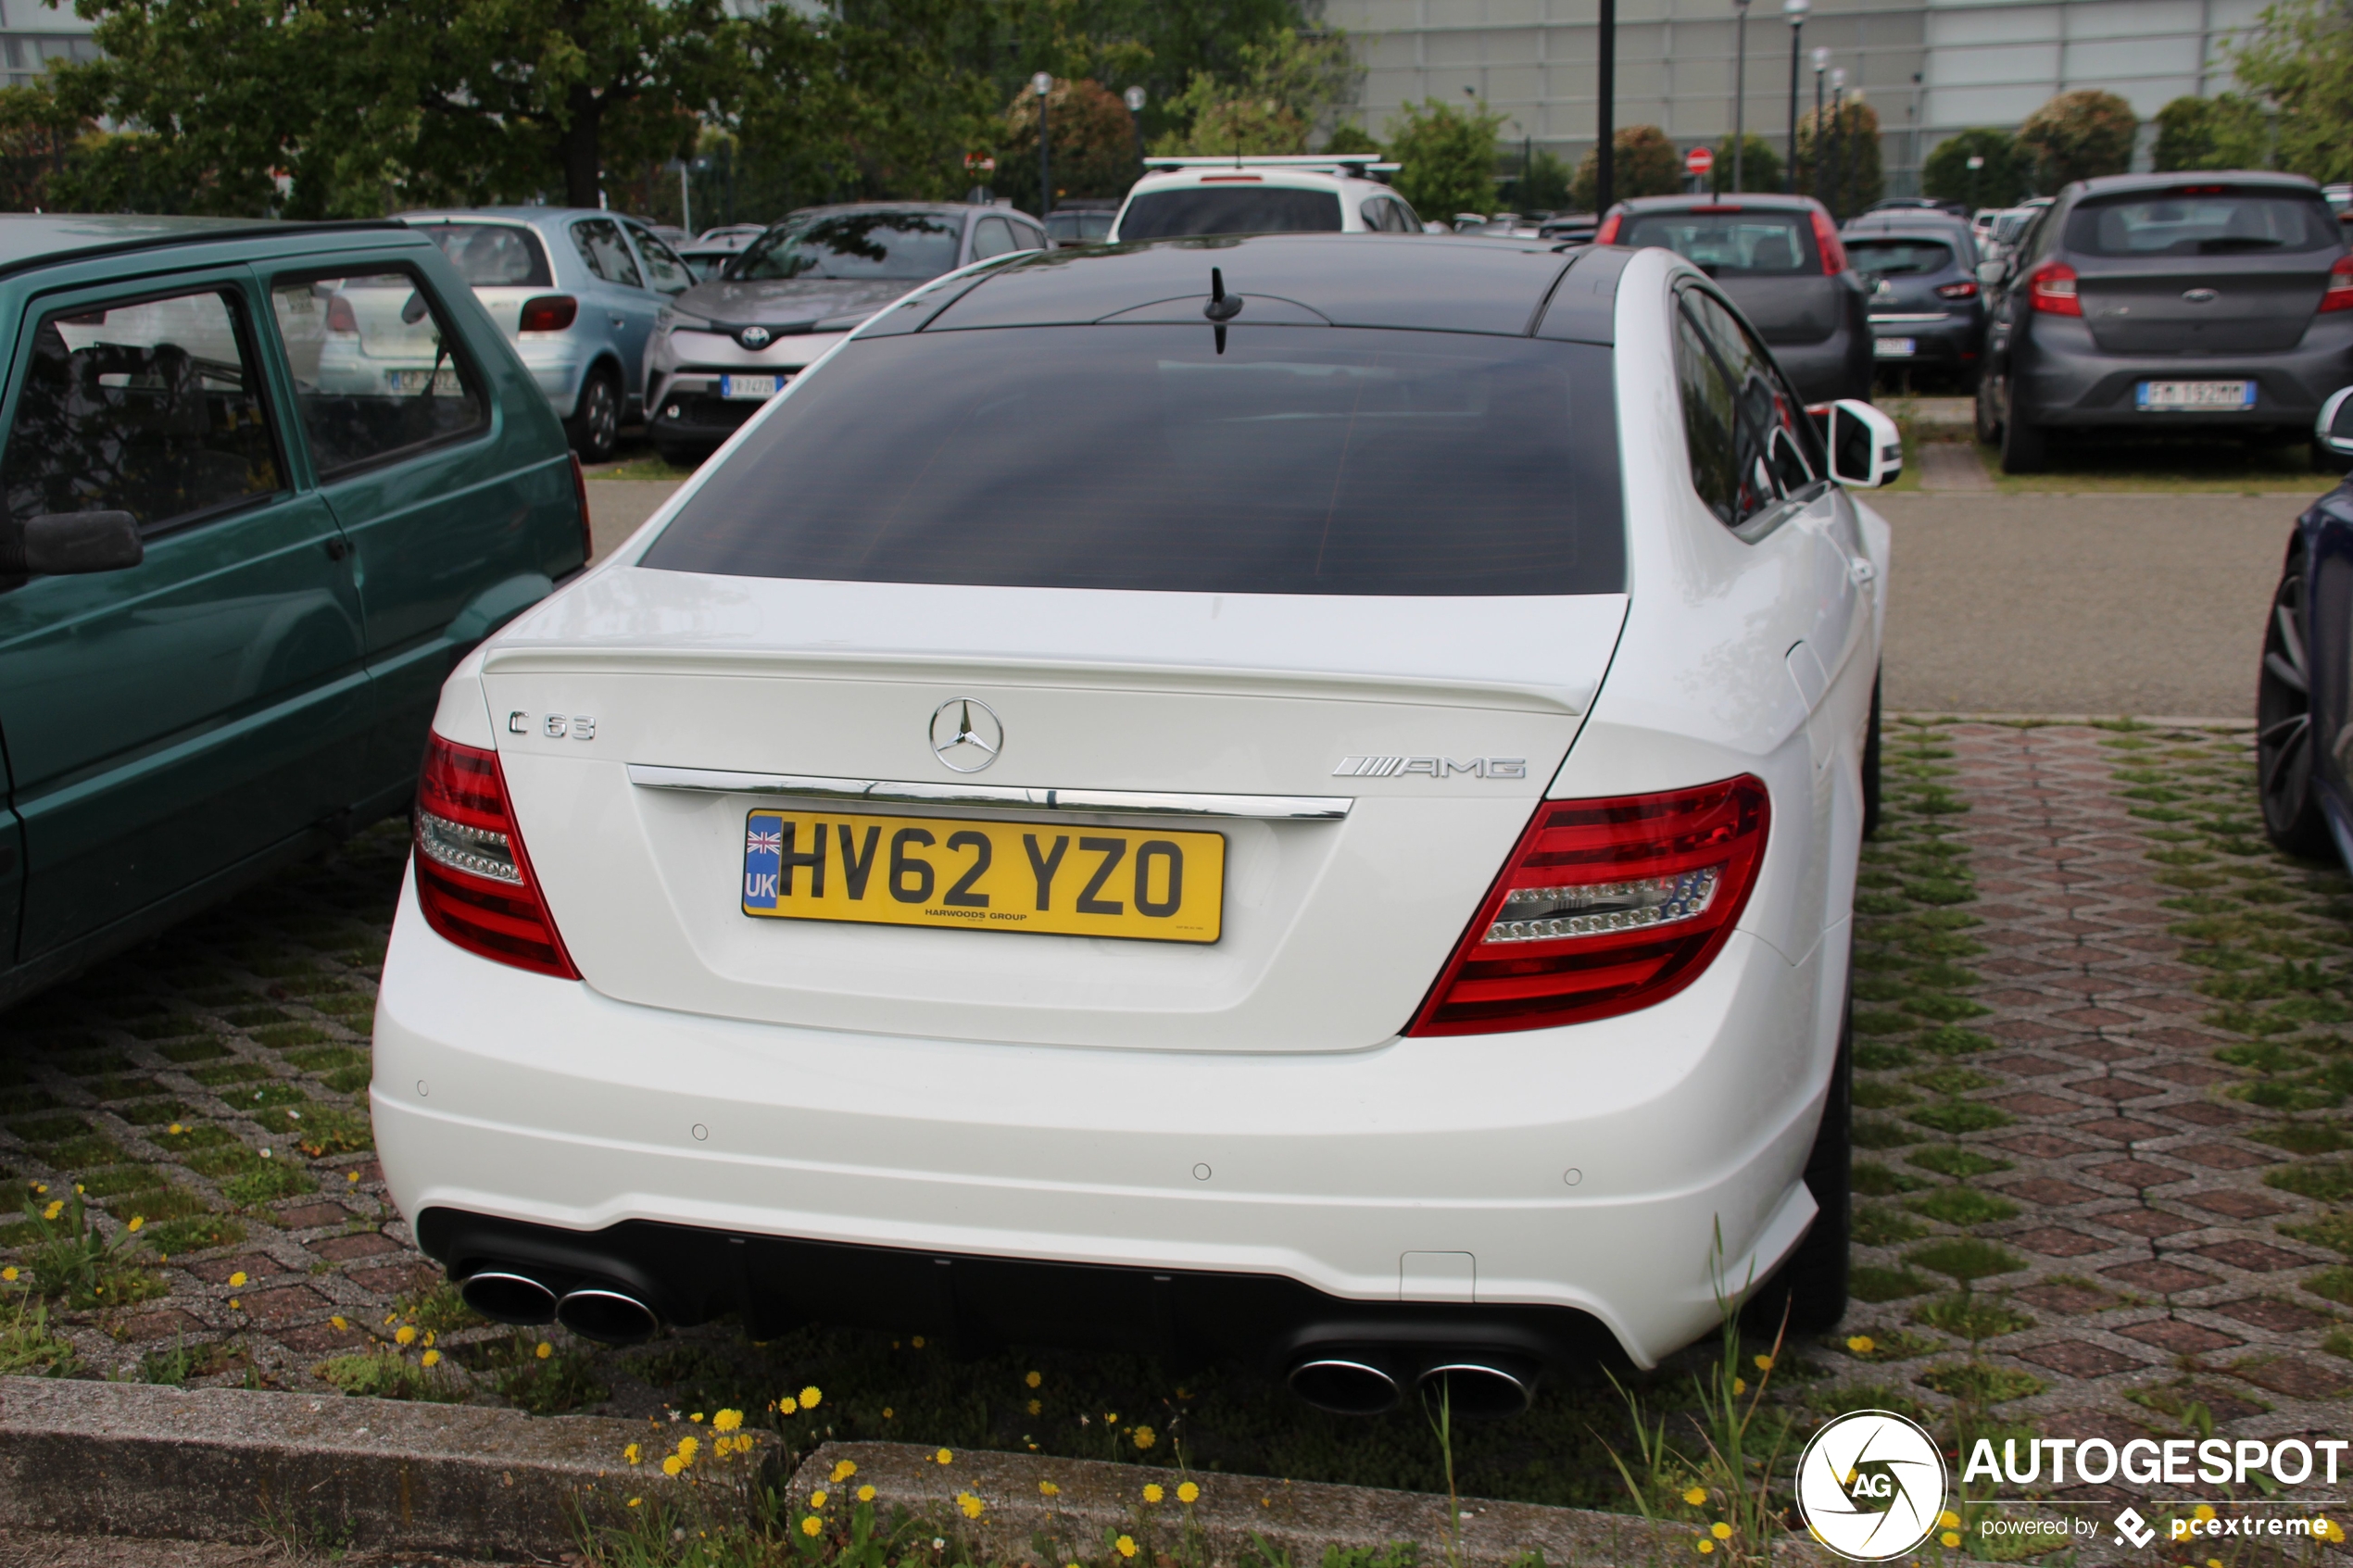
x: 2304, y: 696
x: 577, y: 291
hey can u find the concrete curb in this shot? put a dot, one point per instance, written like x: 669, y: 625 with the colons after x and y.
x: 218, y: 1464
x: 1094, y: 1502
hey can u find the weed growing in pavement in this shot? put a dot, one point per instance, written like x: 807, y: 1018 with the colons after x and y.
x: 69, y: 1259
x: 386, y: 1374
x: 27, y: 1346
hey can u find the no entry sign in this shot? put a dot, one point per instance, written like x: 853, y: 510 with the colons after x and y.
x: 1699, y: 161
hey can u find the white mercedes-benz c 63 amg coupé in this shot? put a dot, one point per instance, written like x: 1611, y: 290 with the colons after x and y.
x: 1292, y: 799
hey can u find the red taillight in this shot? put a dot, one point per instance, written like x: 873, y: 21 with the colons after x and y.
x: 1717, y: 208
x: 1826, y: 240
x: 549, y: 313
x: 579, y: 493
x: 2051, y: 289
x: 474, y: 879
x: 1965, y: 289
x: 1607, y: 233
x: 1606, y: 906
x: 340, y: 318
x: 2339, y: 294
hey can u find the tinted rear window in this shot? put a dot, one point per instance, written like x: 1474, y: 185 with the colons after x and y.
x: 1298, y: 460
x: 1729, y: 244
x: 491, y: 256
x: 2222, y: 223
x: 1898, y: 259
x: 902, y: 247
x: 1230, y: 210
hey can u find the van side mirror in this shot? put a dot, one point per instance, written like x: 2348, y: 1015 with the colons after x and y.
x: 2334, y: 429
x: 1865, y: 448
x: 1991, y: 273
x: 68, y: 544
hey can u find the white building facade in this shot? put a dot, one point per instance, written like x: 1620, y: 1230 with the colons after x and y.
x: 1930, y: 67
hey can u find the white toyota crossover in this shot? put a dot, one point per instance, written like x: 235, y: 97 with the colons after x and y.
x: 1292, y: 798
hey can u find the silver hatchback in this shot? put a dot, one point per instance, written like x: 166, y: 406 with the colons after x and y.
x: 577, y: 291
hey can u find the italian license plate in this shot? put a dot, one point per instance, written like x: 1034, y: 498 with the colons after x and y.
x: 445, y: 381
x: 1896, y: 347
x: 1153, y: 884
x: 2159, y: 395
x: 752, y: 387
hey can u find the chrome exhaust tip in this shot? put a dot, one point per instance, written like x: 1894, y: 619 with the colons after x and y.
x: 1345, y: 1384
x: 1481, y: 1389
x: 503, y: 1296
x: 608, y: 1317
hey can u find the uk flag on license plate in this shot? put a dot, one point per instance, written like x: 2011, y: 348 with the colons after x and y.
x: 763, y: 854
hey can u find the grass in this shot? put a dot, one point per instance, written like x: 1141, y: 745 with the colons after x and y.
x: 28, y: 1348
x: 2177, y: 462
x: 1966, y: 1259
x: 643, y: 470
x: 387, y: 1374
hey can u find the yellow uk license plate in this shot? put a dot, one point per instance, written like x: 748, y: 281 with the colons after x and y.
x: 1147, y: 884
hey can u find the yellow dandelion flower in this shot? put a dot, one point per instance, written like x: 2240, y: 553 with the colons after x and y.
x: 687, y: 1449
x: 633, y: 1454
x: 1047, y: 1488
x: 696, y: 1418
x: 1111, y: 1418
x: 429, y: 1336
x: 177, y: 1128
x: 1861, y: 1344
x: 2203, y: 1512
x: 1144, y: 1436
x: 1125, y: 1545
x: 9, y: 1274
x: 1037, y: 1407
x: 970, y: 1504
x: 405, y: 1334
x: 1740, y: 1385
x: 543, y: 1350
x: 1951, y: 1539
x: 817, y: 1498
x: 809, y: 1398
x: 887, y: 1413
x: 1033, y: 1380
x: 1704, y: 1546
x: 865, y: 1494
x: 2334, y: 1531
x: 728, y: 1421
x: 634, y: 1502
x: 339, y: 1323
x: 810, y: 1527
x: 1948, y: 1520
x: 1152, y: 1492
x: 671, y: 1464
x: 843, y: 1471
x: 353, y: 1176
x: 138, y: 1221
x: 1764, y: 1363
x: 2217, y: 1563
x: 236, y: 1305
x: 1720, y: 1530
x: 57, y: 1207
x: 430, y: 1358
x: 917, y: 1342
x: 943, y: 1456
x: 1695, y: 1496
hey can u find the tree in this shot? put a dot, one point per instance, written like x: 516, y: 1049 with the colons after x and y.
x: 2079, y: 135
x: 1544, y: 186
x: 1448, y: 156
x: 2202, y: 134
x: 1348, y: 137
x: 1760, y: 166
x: 2001, y: 181
x: 2302, y: 60
x: 1838, y: 158
x: 1282, y: 90
x: 1089, y: 135
x: 1644, y: 163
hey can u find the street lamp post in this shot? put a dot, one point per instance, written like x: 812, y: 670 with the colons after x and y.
x: 1605, y: 120
x: 1740, y: 88
x: 1821, y: 64
x: 1043, y: 83
x: 1134, y: 99
x: 1794, y: 10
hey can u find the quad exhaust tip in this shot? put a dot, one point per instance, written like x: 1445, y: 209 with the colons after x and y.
x: 1480, y: 1390
x: 608, y: 1317
x: 1476, y: 1386
x: 505, y: 1297
x: 1345, y: 1385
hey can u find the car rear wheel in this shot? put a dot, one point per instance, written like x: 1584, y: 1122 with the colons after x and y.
x: 1810, y: 1286
x: 594, y: 428
x: 1989, y: 429
x: 2284, y: 739
x: 2025, y: 448
x: 681, y: 455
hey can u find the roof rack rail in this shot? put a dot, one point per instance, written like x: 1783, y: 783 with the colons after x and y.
x: 1329, y: 163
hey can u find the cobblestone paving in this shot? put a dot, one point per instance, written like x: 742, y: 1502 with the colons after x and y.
x: 2100, y: 1066
x: 2096, y: 1018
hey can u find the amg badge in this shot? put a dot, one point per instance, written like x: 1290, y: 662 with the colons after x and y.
x: 1431, y: 767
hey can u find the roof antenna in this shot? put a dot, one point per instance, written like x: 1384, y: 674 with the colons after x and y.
x: 1222, y: 306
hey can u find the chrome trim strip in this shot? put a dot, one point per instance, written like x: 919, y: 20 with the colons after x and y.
x: 1913, y: 319
x: 1263, y: 808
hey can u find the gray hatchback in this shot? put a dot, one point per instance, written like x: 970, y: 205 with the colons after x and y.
x: 2160, y: 302
x: 1781, y: 260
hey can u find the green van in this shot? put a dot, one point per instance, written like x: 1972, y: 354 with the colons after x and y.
x: 244, y: 534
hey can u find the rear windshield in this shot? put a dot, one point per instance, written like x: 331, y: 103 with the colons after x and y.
x: 1230, y: 210
x: 2218, y: 223
x: 1729, y: 244
x: 906, y: 246
x: 491, y: 256
x: 1284, y: 460
x: 1898, y: 259
x: 1079, y: 225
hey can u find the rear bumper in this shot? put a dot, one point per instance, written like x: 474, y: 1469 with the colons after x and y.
x: 2061, y: 378
x: 1956, y: 340
x: 1424, y: 1180
x: 1838, y: 366
x: 688, y: 411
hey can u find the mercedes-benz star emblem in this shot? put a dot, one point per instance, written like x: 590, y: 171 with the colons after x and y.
x: 757, y: 338
x: 966, y: 734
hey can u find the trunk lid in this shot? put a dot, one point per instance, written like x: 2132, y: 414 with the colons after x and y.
x: 2202, y: 304
x: 1434, y: 724
x: 1800, y: 309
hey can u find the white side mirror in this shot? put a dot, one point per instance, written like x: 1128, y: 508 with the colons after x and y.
x: 1866, y: 451
x: 1991, y: 273
x: 2334, y: 429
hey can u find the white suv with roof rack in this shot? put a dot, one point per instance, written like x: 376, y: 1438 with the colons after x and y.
x: 1338, y: 193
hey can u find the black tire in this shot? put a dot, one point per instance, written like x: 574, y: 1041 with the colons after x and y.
x: 1870, y: 766
x: 595, y: 426
x: 2284, y: 743
x: 679, y: 455
x: 1989, y: 429
x: 1810, y: 1286
x: 2025, y: 447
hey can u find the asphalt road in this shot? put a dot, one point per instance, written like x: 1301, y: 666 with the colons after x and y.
x: 2094, y: 604
x: 2149, y: 604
